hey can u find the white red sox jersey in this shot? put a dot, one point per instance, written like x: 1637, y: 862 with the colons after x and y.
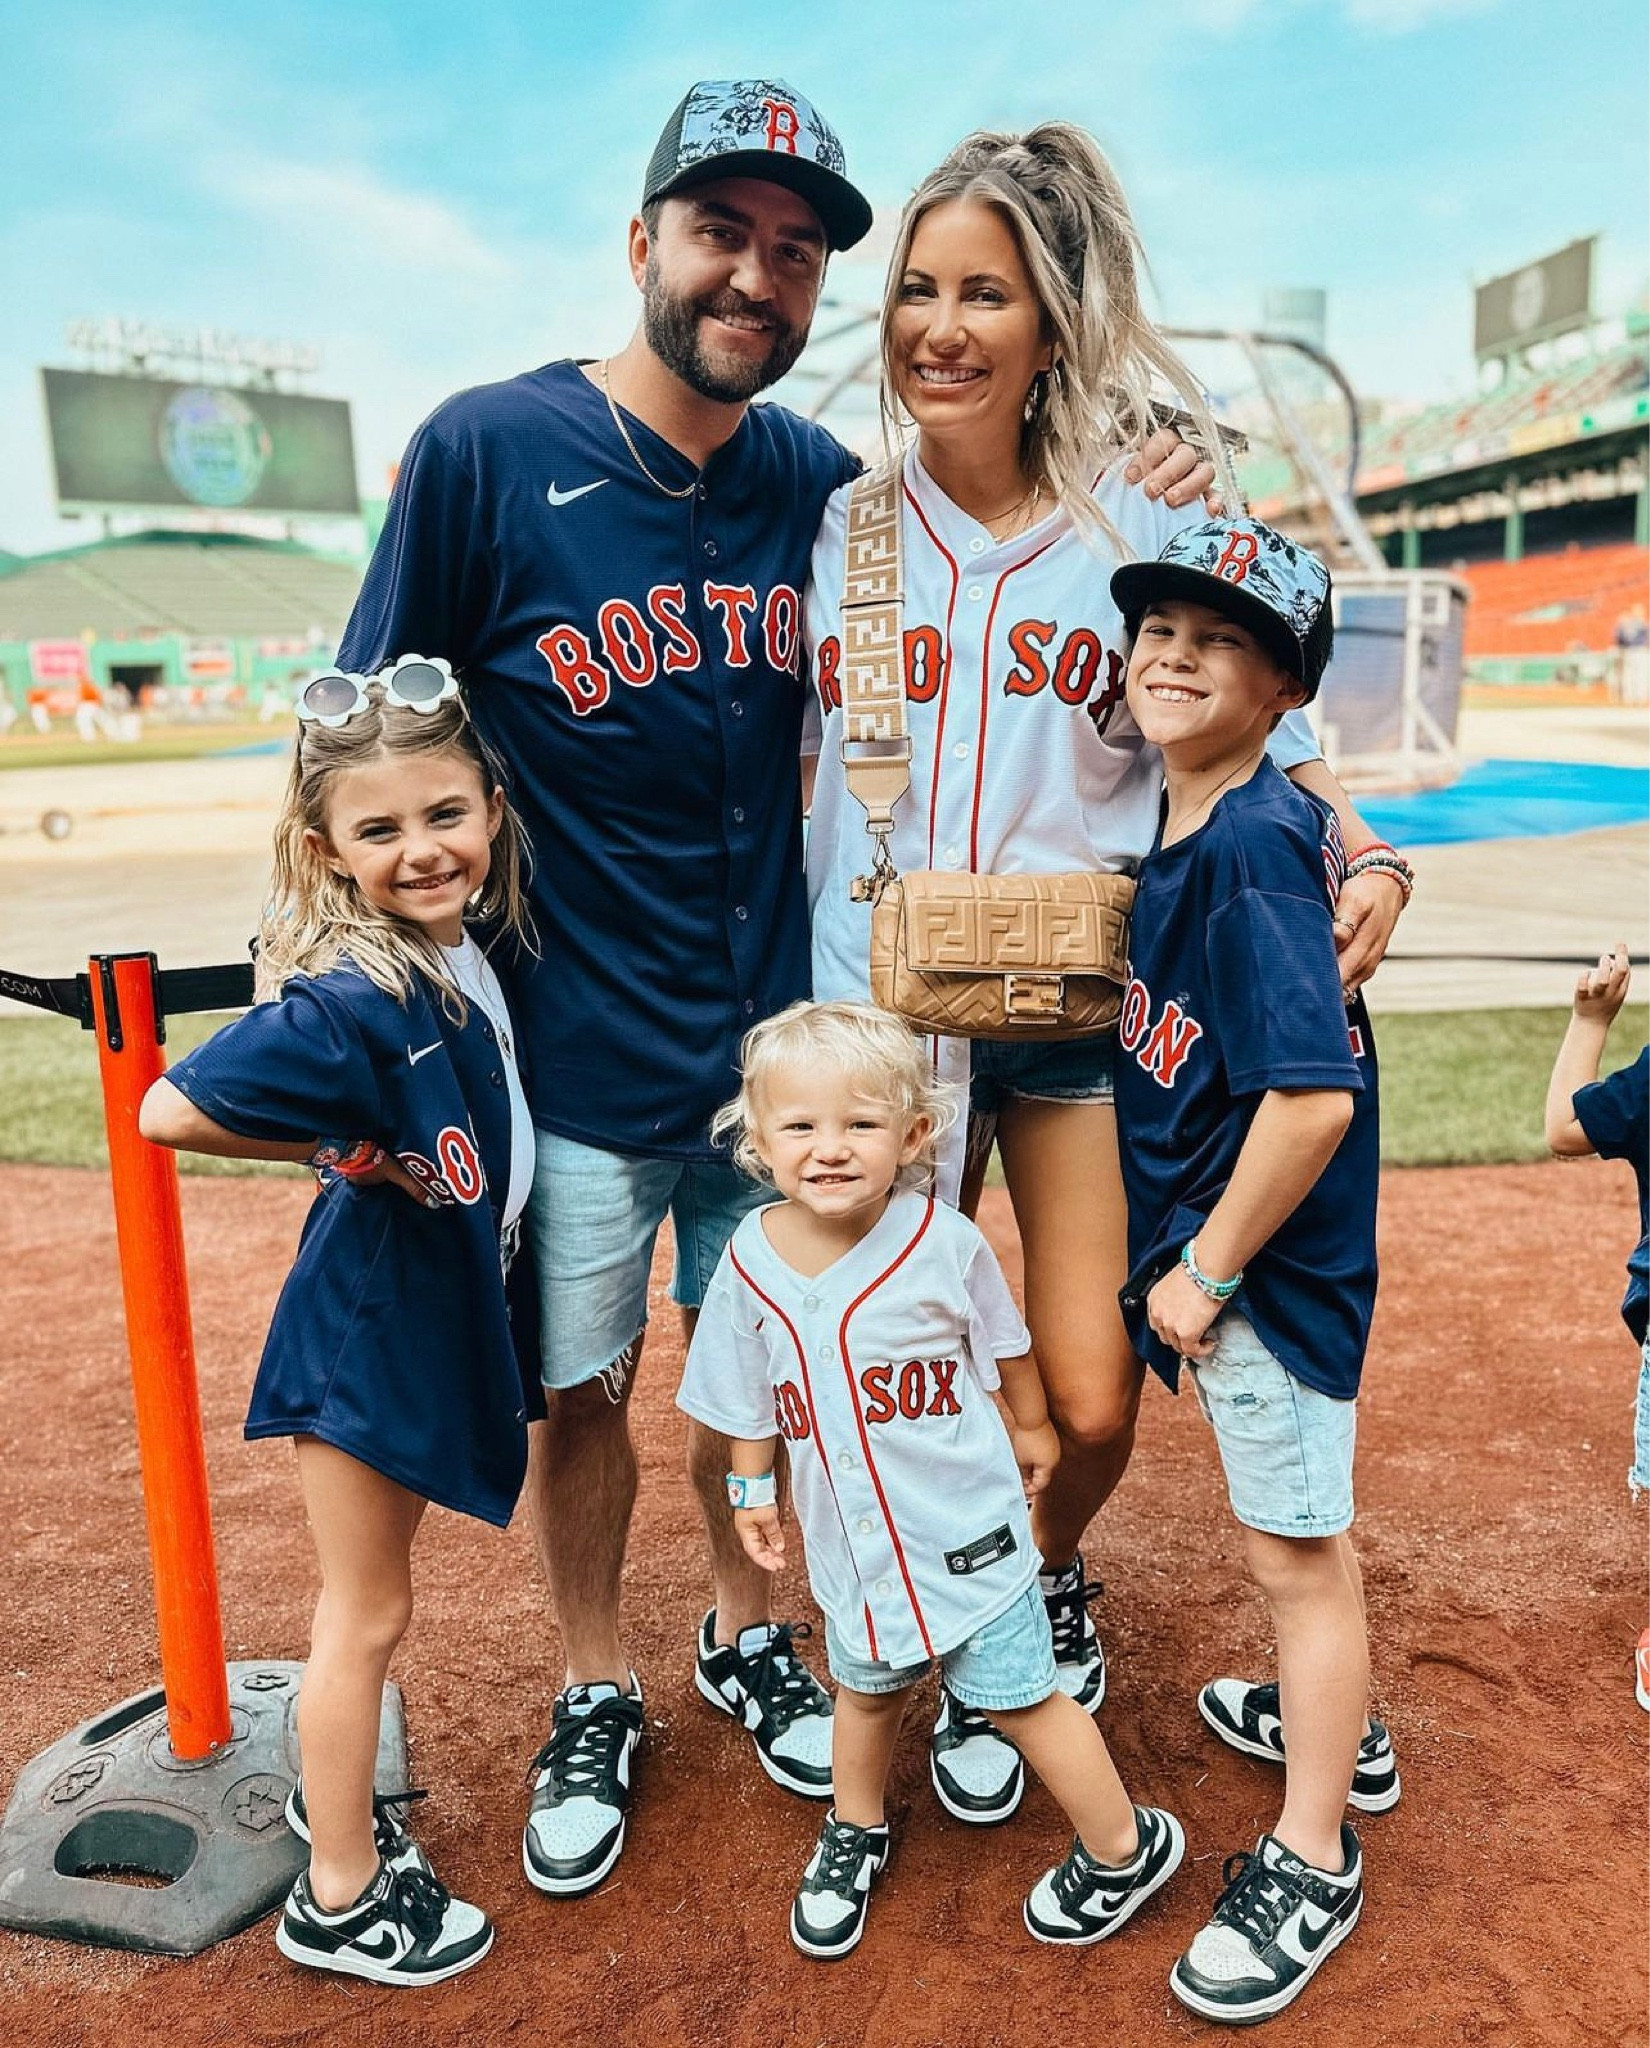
x: 879, y: 1374
x: 1024, y: 756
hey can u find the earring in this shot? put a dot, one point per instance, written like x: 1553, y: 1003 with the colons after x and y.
x: 1036, y: 396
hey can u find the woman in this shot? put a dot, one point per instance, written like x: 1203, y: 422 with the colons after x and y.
x: 1014, y: 339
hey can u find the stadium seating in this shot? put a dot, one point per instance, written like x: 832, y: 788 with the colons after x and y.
x: 1553, y: 604
x: 153, y: 584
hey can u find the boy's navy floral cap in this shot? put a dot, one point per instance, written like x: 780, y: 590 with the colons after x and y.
x: 1250, y: 573
x: 759, y: 128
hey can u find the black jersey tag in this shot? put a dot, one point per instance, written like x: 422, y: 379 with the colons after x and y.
x: 984, y: 1550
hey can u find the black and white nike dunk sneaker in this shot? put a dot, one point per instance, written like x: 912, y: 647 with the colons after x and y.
x: 765, y: 1686
x: 1082, y: 1900
x: 1274, y: 1926
x: 406, y: 1928
x: 1079, y: 1659
x: 1247, y: 1717
x: 828, y: 1912
x: 581, y: 1788
x: 978, y: 1774
x: 395, y: 1846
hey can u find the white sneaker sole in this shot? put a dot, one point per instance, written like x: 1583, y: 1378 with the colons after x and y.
x: 1382, y: 1801
x: 1262, y: 2008
x: 775, y: 1767
x: 343, y: 1964
x: 1177, y: 1836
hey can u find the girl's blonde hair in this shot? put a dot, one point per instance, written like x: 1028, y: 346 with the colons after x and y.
x: 315, y: 918
x: 873, y: 1050
x: 1063, y: 204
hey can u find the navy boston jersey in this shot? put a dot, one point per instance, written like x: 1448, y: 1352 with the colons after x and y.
x: 633, y: 656
x: 392, y: 1339
x: 1234, y: 991
x: 1615, y: 1114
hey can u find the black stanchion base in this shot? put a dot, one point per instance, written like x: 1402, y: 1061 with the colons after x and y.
x: 111, y: 1839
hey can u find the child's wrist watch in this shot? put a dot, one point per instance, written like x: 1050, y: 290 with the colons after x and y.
x: 748, y: 1491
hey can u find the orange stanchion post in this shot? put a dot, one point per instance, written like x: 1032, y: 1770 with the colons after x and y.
x: 149, y: 1228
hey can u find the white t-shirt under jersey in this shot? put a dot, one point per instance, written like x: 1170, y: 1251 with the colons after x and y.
x: 480, y: 986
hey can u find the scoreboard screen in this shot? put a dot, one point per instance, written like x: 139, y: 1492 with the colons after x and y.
x: 145, y: 441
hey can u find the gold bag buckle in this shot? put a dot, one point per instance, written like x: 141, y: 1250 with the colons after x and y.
x: 1035, y: 997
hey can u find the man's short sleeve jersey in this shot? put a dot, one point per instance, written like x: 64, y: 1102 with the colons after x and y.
x: 1233, y: 992
x: 1615, y: 1114
x: 633, y: 657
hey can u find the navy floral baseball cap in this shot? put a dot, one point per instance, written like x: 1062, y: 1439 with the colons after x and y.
x: 759, y: 128
x: 1250, y: 573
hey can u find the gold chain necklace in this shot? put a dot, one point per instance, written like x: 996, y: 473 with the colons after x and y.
x: 635, y: 453
x: 1005, y: 520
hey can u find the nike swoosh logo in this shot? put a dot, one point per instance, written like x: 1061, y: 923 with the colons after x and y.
x: 422, y: 1053
x: 566, y: 497
x: 381, y: 1947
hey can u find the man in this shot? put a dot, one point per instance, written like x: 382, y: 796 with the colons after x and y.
x: 612, y: 555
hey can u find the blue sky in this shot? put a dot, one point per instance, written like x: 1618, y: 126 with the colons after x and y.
x: 435, y: 195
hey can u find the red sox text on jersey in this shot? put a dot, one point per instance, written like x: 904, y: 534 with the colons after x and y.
x: 1080, y: 670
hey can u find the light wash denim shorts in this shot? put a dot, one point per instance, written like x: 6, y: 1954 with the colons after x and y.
x: 1286, y: 1448
x: 591, y: 1223
x: 1006, y: 1664
x: 1639, y: 1477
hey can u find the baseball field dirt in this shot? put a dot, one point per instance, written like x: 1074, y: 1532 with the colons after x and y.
x: 1505, y: 1567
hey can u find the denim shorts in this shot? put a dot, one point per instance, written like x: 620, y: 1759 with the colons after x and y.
x: 1639, y: 1477
x: 1006, y: 1664
x: 591, y: 1222
x: 1075, y: 1070
x: 1286, y: 1448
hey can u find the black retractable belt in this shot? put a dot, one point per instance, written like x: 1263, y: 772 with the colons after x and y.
x: 177, y: 990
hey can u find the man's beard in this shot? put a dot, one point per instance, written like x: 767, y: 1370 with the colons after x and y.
x: 671, y: 325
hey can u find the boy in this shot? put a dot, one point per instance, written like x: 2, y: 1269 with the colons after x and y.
x: 1246, y: 1115
x: 1611, y: 1118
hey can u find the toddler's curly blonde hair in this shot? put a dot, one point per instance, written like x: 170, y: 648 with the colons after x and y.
x: 882, y: 1058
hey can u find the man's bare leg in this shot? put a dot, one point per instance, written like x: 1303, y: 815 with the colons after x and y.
x: 581, y: 1490
x: 743, y: 1589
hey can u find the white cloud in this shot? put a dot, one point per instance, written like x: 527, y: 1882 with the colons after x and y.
x: 359, y: 213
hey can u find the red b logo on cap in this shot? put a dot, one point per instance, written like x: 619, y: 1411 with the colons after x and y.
x: 783, y: 126
x: 1241, y: 549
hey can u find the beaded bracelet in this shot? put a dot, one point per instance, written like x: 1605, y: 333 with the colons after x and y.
x: 349, y: 1163
x: 1217, y: 1290
x: 1381, y: 859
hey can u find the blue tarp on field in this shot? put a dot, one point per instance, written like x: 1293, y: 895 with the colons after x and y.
x: 1512, y: 800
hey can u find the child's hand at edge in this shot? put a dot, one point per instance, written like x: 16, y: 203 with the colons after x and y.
x: 1036, y: 1452
x: 1600, y: 991
x: 760, y: 1531
x: 1180, y: 1313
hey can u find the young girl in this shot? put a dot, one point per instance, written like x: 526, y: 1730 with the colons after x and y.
x: 870, y: 1326
x: 387, y: 1063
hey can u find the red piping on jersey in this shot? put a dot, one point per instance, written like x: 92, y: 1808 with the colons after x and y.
x: 985, y: 702
x: 807, y: 1390
x: 865, y: 1441
x: 945, y: 671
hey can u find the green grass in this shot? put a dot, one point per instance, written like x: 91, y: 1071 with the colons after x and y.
x: 159, y: 743
x: 1465, y: 1088
x: 54, y: 1103
x: 1468, y: 1088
